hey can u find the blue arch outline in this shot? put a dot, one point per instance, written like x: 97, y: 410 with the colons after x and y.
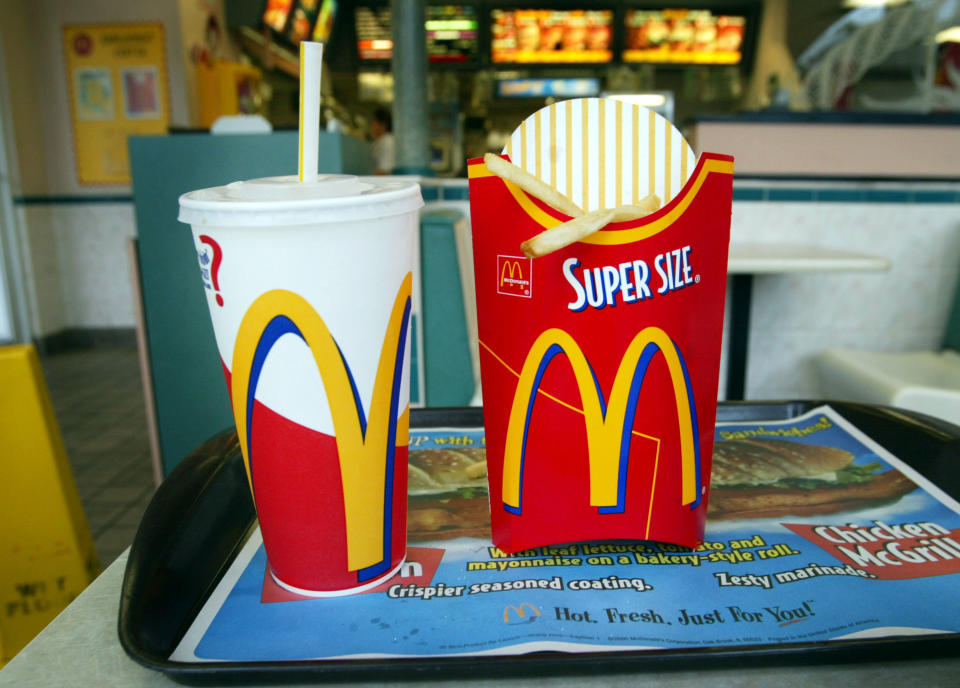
x: 281, y: 325
x: 636, y: 385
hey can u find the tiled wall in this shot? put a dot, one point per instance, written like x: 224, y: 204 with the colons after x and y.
x: 80, y: 275
x: 77, y: 264
x: 796, y: 316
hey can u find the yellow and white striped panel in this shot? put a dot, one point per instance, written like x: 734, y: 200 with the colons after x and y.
x: 603, y: 153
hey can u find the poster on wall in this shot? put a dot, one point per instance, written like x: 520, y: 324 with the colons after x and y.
x: 117, y: 76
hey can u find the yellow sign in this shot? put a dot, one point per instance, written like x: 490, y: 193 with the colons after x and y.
x: 117, y: 77
x: 608, y: 422
x: 47, y: 556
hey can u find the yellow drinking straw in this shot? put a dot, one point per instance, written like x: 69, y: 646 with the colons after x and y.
x: 311, y: 59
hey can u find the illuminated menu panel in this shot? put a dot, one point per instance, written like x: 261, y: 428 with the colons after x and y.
x: 324, y: 24
x: 301, y: 21
x: 374, y: 40
x: 551, y: 36
x: 683, y: 37
x: 451, y: 33
x: 275, y: 16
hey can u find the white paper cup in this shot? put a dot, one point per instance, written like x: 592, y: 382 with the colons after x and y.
x: 308, y: 286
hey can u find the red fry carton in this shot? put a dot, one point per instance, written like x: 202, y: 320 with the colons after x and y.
x: 600, y: 362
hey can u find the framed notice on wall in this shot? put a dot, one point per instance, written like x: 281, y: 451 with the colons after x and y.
x: 117, y: 77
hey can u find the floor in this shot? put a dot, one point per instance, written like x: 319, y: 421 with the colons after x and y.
x: 98, y: 401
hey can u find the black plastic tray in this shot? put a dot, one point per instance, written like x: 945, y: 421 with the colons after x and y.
x: 201, y: 516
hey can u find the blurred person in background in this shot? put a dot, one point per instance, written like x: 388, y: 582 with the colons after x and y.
x: 384, y: 158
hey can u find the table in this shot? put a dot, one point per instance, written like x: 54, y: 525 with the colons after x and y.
x: 748, y: 259
x: 80, y: 648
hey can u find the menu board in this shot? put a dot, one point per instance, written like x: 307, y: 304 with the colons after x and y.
x: 551, y: 36
x: 301, y: 21
x: 324, y: 25
x: 452, y: 33
x: 275, y: 16
x: 374, y: 40
x: 683, y: 37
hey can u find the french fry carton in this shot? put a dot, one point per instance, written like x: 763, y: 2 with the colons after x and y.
x: 600, y: 361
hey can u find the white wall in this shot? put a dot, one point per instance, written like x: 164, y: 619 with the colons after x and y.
x: 72, y: 255
x: 79, y: 272
x: 45, y: 20
x: 795, y: 317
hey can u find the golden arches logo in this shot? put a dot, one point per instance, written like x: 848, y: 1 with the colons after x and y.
x: 521, y: 612
x: 365, y: 444
x: 609, y: 423
x: 510, y: 270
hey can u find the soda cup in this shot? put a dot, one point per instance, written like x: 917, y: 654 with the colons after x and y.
x: 309, y: 290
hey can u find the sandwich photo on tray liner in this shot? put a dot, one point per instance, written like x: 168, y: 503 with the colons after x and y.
x: 760, y: 472
x: 769, y: 478
x: 448, y: 493
x: 600, y: 259
x: 815, y: 533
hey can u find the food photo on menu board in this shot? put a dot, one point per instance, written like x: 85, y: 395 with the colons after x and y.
x: 683, y: 36
x: 539, y: 36
x: 374, y: 40
x: 301, y: 22
x: 452, y: 33
x: 276, y: 13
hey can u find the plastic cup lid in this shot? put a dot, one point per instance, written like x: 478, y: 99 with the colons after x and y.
x: 284, y: 201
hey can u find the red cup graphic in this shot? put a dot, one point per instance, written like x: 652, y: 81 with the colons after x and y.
x: 309, y: 292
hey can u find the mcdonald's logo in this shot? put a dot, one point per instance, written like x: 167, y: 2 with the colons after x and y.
x: 514, y: 276
x: 521, y: 613
x: 365, y: 441
x: 510, y: 272
x: 609, y: 422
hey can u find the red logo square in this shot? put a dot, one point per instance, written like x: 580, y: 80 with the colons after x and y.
x: 515, y: 276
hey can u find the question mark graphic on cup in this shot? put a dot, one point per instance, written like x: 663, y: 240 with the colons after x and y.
x: 215, y: 266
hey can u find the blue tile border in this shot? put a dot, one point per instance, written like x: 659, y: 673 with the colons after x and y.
x: 888, y: 196
x: 456, y: 193
x: 936, y: 196
x: 823, y: 195
x: 68, y: 200
x: 791, y: 195
x: 775, y: 194
x: 841, y: 195
x: 749, y: 194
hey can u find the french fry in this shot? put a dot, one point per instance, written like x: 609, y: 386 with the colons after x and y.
x: 641, y: 208
x: 582, y: 225
x: 555, y: 238
x: 531, y: 184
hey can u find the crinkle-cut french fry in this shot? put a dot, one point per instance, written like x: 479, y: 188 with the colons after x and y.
x: 531, y: 184
x: 567, y: 233
x: 641, y: 208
